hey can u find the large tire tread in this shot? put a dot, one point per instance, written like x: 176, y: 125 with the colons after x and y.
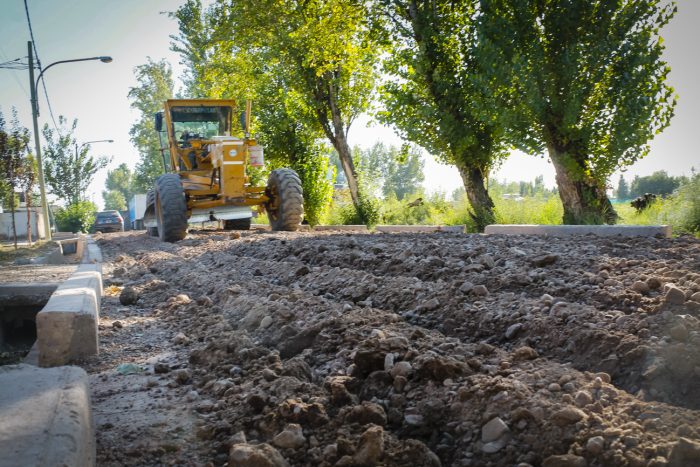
x: 290, y: 210
x: 172, y: 221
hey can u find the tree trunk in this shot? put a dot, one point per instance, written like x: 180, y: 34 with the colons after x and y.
x: 12, y: 210
x: 28, y: 204
x: 584, y: 199
x: 482, y: 206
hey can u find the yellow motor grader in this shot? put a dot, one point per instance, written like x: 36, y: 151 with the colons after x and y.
x: 206, y: 175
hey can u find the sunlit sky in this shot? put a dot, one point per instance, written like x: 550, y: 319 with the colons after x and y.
x: 132, y: 30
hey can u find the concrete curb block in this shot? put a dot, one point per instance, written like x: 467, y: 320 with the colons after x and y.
x: 45, y: 417
x: 568, y: 230
x: 67, y: 325
x: 420, y: 228
x: 344, y: 228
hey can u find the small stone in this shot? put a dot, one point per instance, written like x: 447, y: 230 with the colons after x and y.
x: 128, y: 296
x: 401, y: 369
x: 183, y: 376
x: 302, y: 271
x: 388, y: 361
x: 554, y: 387
x: 370, y: 447
x: 269, y: 375
x: 525, y: 353
x: 238, y: 438
x: 544, y: 260
x: 117, y: 325
x: 180, y: 339
x: 679, y: 332
x: 685, y: 452
x: 653, y: 283
x: 513, y: 330
x: 674, y: 295
x: 565, y: 460
x: 414, y: 419
x: 466, y: 287
x: 431, y: 304
x: 695, y: 297
x: 265, y: 322
x: 583, y: 398
x: 367, y: 413
x: 182, y: 299
x: 480, y: 290
x: 259, y: 455
x: 493, y: 430
x: 291, y: 437
x: 494, y: 446
x: 595, y: 445
x: 640, y: 286
x: 568, y: 416
x: 234, y: 235
x: 161, y: 367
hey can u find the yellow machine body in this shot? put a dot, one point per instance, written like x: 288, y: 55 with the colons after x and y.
x: 212, y: 164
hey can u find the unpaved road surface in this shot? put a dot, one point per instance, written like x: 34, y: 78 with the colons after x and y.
x: 273, y: 349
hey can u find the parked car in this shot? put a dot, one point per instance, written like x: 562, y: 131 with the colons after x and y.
x: 108, y: 221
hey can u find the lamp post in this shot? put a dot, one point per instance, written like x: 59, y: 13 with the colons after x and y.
x: 35, y: 114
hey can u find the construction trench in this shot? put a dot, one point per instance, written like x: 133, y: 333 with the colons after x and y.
x: 357, y: 349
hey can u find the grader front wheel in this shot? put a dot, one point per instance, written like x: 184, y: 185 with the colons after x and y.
x: 171, y: 208
x: 286, y: 206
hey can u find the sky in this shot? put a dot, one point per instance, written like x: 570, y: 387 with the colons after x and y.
x: 130, y: 31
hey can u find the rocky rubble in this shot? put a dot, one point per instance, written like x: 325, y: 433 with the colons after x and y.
x: 423, y: 349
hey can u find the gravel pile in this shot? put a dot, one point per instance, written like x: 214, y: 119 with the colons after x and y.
x: 274, y: 349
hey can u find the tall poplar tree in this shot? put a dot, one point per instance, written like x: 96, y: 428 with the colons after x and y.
x: 592, y: 87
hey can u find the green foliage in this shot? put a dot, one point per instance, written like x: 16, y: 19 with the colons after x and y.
x: 17, y: 166
x: 69, y: 170
x: 681, y: 210
x: 433, y: 210
x: 591, y: 86
x: 114, y: 200
x: 391, y: 170
x: 154, y: 86
x: 311, y: 66
x: 440, y: 96
x: 659, y: 183
x: 120, y: 181
x: 623, y: 190
x: 314, y: 171
x: 343, y: 212
x: 77, y: 217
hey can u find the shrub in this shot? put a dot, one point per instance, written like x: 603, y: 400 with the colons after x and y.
x: 76, y: 217
x: 318, y: 188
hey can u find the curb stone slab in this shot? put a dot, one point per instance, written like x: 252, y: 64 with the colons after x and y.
x: 45, y: 417
x: 67, y: 325
x: 567, y: 230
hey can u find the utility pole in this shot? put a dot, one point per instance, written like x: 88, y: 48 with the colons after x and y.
x: 37, y: 142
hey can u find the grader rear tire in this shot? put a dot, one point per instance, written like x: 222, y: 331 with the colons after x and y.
x: 171, y: 208
x: 237, y: 224
x: 286, y: 206
x: 150, y: 200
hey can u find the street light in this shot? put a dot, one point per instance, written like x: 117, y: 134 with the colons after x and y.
x: 35, y: 114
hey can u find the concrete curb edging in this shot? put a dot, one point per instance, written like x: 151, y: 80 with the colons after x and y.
x: 45, y: 417
x: 67, y: 325
x: 568, y: 230
x: 420, y: 228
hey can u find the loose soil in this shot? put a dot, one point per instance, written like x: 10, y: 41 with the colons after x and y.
x: 323, y: 348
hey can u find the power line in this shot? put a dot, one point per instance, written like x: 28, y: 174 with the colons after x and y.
x: 38, y: 62
x: 19, y: 83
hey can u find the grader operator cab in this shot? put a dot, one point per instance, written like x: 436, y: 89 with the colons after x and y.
x: 207, y: 177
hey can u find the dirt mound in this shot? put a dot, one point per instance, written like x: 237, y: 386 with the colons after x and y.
x: 384, y: 349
